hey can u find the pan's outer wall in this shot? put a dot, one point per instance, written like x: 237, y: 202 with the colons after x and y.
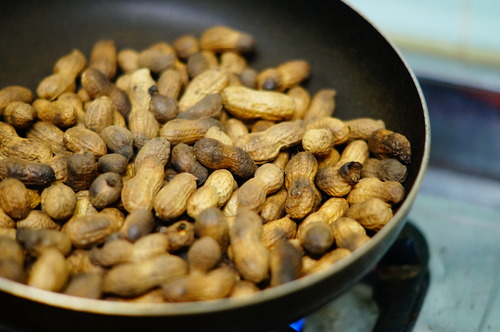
x: 346, y: 53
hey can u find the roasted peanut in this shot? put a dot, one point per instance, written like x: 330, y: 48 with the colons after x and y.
x: 14, y: 93
x: 180, y: 235
x: 59, y: 163
x: 330, y: 211
x: 232, y: 62
x: 284, y: 76
x: 337, y: 127
x: 386, y: 170
x: 50, y: 134
x: 219, y: 134
x: 163, y: 108
x: 215, y: 155
x: 118, y: 140
x: 14, y: 198
x: 265, y: 146
x: 268, y: 179
x: 103, y: 57
x: 35, y: 242
x: 184, y: 160
x: 170, y: 84
x: 372, y: 213
x: 216, y: 284
x: 318, y: 141
x: 222, y: 38
x: 243, y: 288
x: 274, y: 206
x: 128, y: 60
x: 203, y: 254
x: 79, y: 262
x: 6, y: 222
x: 278, y: 230
x: 261, y: 125
x: 250, y: 255
x: 139, y: 192
x: 385, y: 143
x: 316, y: 237
x: 362, y: 128
x: 79, y: 140
x: 49, y: 271
x: 100, y: 114
x: 11, y: 250
x: 349, y: 233
x: 285, y: 263
x: 388, y: 191
x: 322, y: 105
x: 171, y: 200
x: 88, y: 230
x: 208, y: 82
x: 112, y: 162
x: 137, y: 224
x: 245, y: 103
x: 235, y: 129
x: 187, y: 131
x: 302, y: 99
x: 338, y: 181
x: 203, y: 198
x: 143, y: 126
x: 105, y: 190
x: 88, y: 285
x: 158, y: 57
x: 25, y: 148
x: 185, y: 46
x: 37, y: 219
x: 324, y: 262
x: 28, y: 172
x: 303, y: 196
x: 54, y: 85
x: 81, y: 170
x: 132, y: 279
x: 158, y: 147
x: 57, y: 112
x: 200, y: 62
x: 19, y: 114
x: 224, y: 184
x: 209, y: 106
x: 58, y: 201
x: 212, y: 222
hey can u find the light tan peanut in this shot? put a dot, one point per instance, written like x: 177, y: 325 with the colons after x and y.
x: 72, y: 63
x: 245, y: 103
x: 330, y: 160
x: 208, y: 106
x: 12, y: 270
x: 184, y: 160
x: 128, y: 60
x: 185, y: 46
x: 180, y: 235
x: 11, y: 250
x: 268, y: 179
x: 103, y: 57
x: 49, y: 272
x: 283, y: 77
x: 158, y: 57
x: 14, y: 198
x: 100, y: 114
x: 83, y: 205
x: 6, y: 221
x: 316, y: 237
x: 372, y: 213
x: 59, y: 164
x: 163, y: 108
x: 302, y: 99
x: 158, y: 147
x: 216, y: 284
x: 13, y: 93
x: 235, y: 129
x: 322, y: 105
x: 171, y: 200
x: 338, y: 181
x: 248, y: 78
x: 118, y: 140
x: 330, y: 211
x: 137, y: 224
x: 82, y: 170
x: 310, y: 266
x: 337, y: 127
x: 385, y: 143
x: 250, y: 255
x: 388, y: 191
x: 139, y: 192
x: 54, y: 85
x: 132, y: 279
x: 278, y: 230
x: 37, y: 219
x: 50, y: 134
x: 282, y: 159
x: 218, y: 134
x: 19, y: 114
x: 79, y: 140
x: 215, y: 155
x: 385, y: 170
x: 265, y: 146
x: 58, y: 201
x: 362, y: 128
x: 88, y: 230
x: 78, y: 262
x: 203, y: 255
x: 231, y: 207
x: 97, y: 84
x: 212, y: 222
x: 112, y: 253
x: 224, y: 184
x: 285, y: 263
x: 200, y: 62
x: 349, y: 233
x: 28, y: 172
x: 354, y: 151
x: 208, y: 82
x: 303, y: 196
x: 187, y: 131
x: 232, y: 62
x: 143, y: 126
x: 222, y: 38
x: 25, y: 148
x: 274, y: 206
x: 170, y: 84
x: 149, y: 246
x: 318, y: 141
x: 7, y: 131
x: 203, y: 198
x: 243, y: 288
x: 35, y: 241
x: 105, y: 190
x: 87, y: 285
x: 261, y: 125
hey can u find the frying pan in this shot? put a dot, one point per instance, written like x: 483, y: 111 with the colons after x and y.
x: 346, y: 52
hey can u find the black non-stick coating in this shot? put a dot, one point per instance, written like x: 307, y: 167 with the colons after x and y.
x: 345, y: 52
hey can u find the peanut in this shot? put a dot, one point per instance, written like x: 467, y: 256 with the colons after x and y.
x: 349, y: 233
x: 171, y: 200
x: 49, y: 272
x: 208, y: 82
x: 185, y: 46
x: 385, y: 143
x: 322, y: 105
x: 163, y: 108
x: 385, y: 170
x: 278, y: 230
x: 388, y: 191
x: 212, y: 222
x: 187, y: 131
x: 103, y: 57
x: 14, y: 198
x: 19, y: 115
x: 222, y: 38
x: 14, y: 93
x: 268, y: 179
x: 105, y: 190
x: 137, y: 224
x: 274, y: 206
x: 37, y: 219
x: 372, y: 213
x: 58, y: 201
x: 81, y: 170
x: 88, y: 285
x: 28, y: 172
x: 184, y: 160
x: 118, y: 140
x: 285, y: 263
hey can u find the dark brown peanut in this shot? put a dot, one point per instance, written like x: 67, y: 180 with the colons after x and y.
x: 285, y: 263
x: 118, y: 140
x: 36, y: 241
x: 105, y: 190
x: 208, y: 106
x: 164, y: 108
x: 82, y: 169
x: 386, y: 170
x: 185, y: 46
x: 316, y: 237
x: 212, y: 222
x: 184, y: 160
x: 28, y: 172
x: 112, y: 162
x: 385, y: 143
x: 180, y: 235
x: 137, y: 224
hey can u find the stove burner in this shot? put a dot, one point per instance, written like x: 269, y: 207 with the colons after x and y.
x: 399, y: 283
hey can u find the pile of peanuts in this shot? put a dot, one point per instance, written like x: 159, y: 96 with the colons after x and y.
x: 179, y: 173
